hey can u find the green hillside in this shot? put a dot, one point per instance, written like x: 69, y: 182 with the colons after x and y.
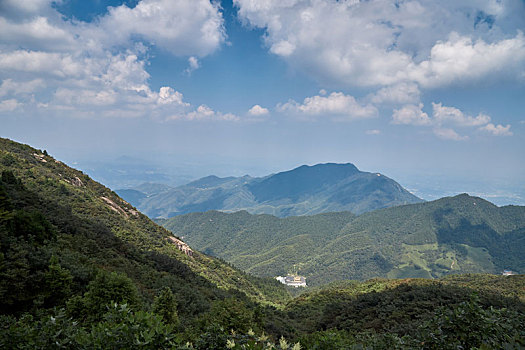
x: 305, y: 190
x: 459, y: 234
x: 88, y: 228
x: 408, y: 313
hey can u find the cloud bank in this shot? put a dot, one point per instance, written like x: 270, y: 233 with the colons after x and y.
x: 67, y: 66
x: 444, y: 118
x: 386, y: 42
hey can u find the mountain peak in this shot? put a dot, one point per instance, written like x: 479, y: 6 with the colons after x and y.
x: 301, y: 181
x: 474, y: 199
x: 207, y: 181
x: 305, y: 190
x: 327, y: 166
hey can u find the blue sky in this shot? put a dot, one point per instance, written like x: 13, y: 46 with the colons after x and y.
x: 431, y: 93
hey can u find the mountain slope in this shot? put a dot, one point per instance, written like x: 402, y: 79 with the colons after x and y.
x: 82, y: 269
x: 305, y: 190
x: 432, y: 239
x: 49, y: 209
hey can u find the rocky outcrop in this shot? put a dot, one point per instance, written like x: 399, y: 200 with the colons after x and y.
x: 183, y: 247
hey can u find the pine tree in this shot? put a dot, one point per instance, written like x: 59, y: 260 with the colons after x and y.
x: 165, y: 305
x: 58, y: 282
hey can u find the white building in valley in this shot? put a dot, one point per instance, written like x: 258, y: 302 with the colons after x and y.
x: 293, y: 281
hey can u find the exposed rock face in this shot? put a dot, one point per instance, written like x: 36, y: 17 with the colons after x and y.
x: 40, y: 157
x: 77, y: 182
x: 183, y: 247
x: 113, y: 206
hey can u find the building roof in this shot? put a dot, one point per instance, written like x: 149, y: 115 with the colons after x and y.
x: 295, y: 279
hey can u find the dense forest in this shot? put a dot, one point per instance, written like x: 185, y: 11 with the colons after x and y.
x: 82, y: 269
x: 461, y: 234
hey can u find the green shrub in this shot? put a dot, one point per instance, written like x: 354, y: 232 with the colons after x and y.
x: 470, y: 326
x: 123, y: 329
x: 165, y: 306
x: 108, y: 288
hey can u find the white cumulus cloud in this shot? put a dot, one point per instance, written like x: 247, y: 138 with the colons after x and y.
x: 53, y: 64
x: 258, y: 111
x: 183, y: 27
x: 9, y: 105
x: 402, y: 93
x: 411, y: 115
x: 8, y: 86
x: 443, y: 114
x: 461, y: 58
x: 387, y: 42
x: 25, y: 7
x: 497, y: 130
x: 445, y: 119
x: 169, y: 96
x: 193, y: 64
x: 204, y: 113
x: 449, y: 134
x: 337, y: 104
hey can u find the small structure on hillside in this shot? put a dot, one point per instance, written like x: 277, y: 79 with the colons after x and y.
x: 508, y: 273
x: 292, y: 280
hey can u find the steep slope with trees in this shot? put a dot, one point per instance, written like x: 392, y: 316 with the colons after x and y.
x: 55, y: 219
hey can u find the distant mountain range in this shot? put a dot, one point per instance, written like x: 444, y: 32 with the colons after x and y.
x: 305, y: 190
x: 451, y: 235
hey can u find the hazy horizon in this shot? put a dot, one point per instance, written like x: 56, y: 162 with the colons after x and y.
x: 129, y: 170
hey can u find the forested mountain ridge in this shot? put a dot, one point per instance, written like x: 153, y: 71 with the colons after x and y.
x: 451, y: 235
x: 305, y: 190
